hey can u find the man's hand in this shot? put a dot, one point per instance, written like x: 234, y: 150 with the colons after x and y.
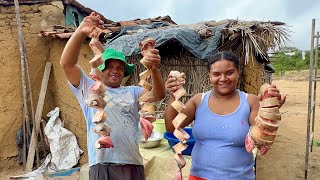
x: 90, y: 23
x: 152, y: 58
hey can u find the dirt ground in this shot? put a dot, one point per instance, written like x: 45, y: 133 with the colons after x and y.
x: 286, y: 159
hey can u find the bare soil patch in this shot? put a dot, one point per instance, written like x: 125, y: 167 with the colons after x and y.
x: 286, y: 159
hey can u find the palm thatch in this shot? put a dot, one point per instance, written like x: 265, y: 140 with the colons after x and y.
x: 254, y: 38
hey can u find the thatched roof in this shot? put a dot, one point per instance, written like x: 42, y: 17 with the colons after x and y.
x: 246, y: 37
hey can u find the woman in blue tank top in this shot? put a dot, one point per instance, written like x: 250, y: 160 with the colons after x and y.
x: 222, y: 118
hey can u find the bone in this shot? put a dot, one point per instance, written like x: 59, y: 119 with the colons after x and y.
x: 270, y: 115
x: 178, y: 105
x: 101, y: 129
x: 145, y: 84
x: 178, y: 76
x: 96, y: 46
x: 146, y: 96
x: 179, y: 93
x: 267, y: 125
x: 180, y: 160
x: 100, y: 116
x: 145, y: 46
x: 98, y: 88
x: 269, y: 102
x: 261, y: 138
x: 96, y: 101
x: 96, y: 74
x: 145, y: 74
x: 181, y: 134
x: 178, y: 120
x: 179, y: 147
x: 96, y: 61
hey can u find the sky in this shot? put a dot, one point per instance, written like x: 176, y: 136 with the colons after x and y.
x: 297, y: 14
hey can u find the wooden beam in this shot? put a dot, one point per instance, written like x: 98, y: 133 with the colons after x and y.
x: 36, y: 126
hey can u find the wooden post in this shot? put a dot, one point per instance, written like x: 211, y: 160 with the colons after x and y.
x: 306, y: 159
x: 26, y: 123
x: 31, y: 104
x: 36, y: 126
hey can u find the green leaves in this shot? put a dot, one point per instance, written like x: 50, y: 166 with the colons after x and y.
x: 284, y: 61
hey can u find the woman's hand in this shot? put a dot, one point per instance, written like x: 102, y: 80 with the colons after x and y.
x: 152, y: 58
x: 275, y: 92
x: 172, y: 85
x: 90, y: 23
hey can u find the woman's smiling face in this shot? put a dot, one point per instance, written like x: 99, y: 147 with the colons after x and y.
x: 224, y: 76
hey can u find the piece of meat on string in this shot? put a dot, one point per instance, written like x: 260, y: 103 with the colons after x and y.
x: 179, y: 133
x: 146, y: 128
x: 181, y: 163
x: 147, y: 111
x: 96, y: 97
x: 262, y: 134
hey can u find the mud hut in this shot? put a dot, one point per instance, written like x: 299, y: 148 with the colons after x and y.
x: 48, y: 24
x: 187, y: 48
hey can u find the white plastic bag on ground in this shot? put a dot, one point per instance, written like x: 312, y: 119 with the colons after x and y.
x: 65, y: 151
x: 64, y: 148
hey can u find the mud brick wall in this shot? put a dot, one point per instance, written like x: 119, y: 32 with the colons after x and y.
x: 252, y: 77
x: 70, y: 111
x: 34, y: 18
